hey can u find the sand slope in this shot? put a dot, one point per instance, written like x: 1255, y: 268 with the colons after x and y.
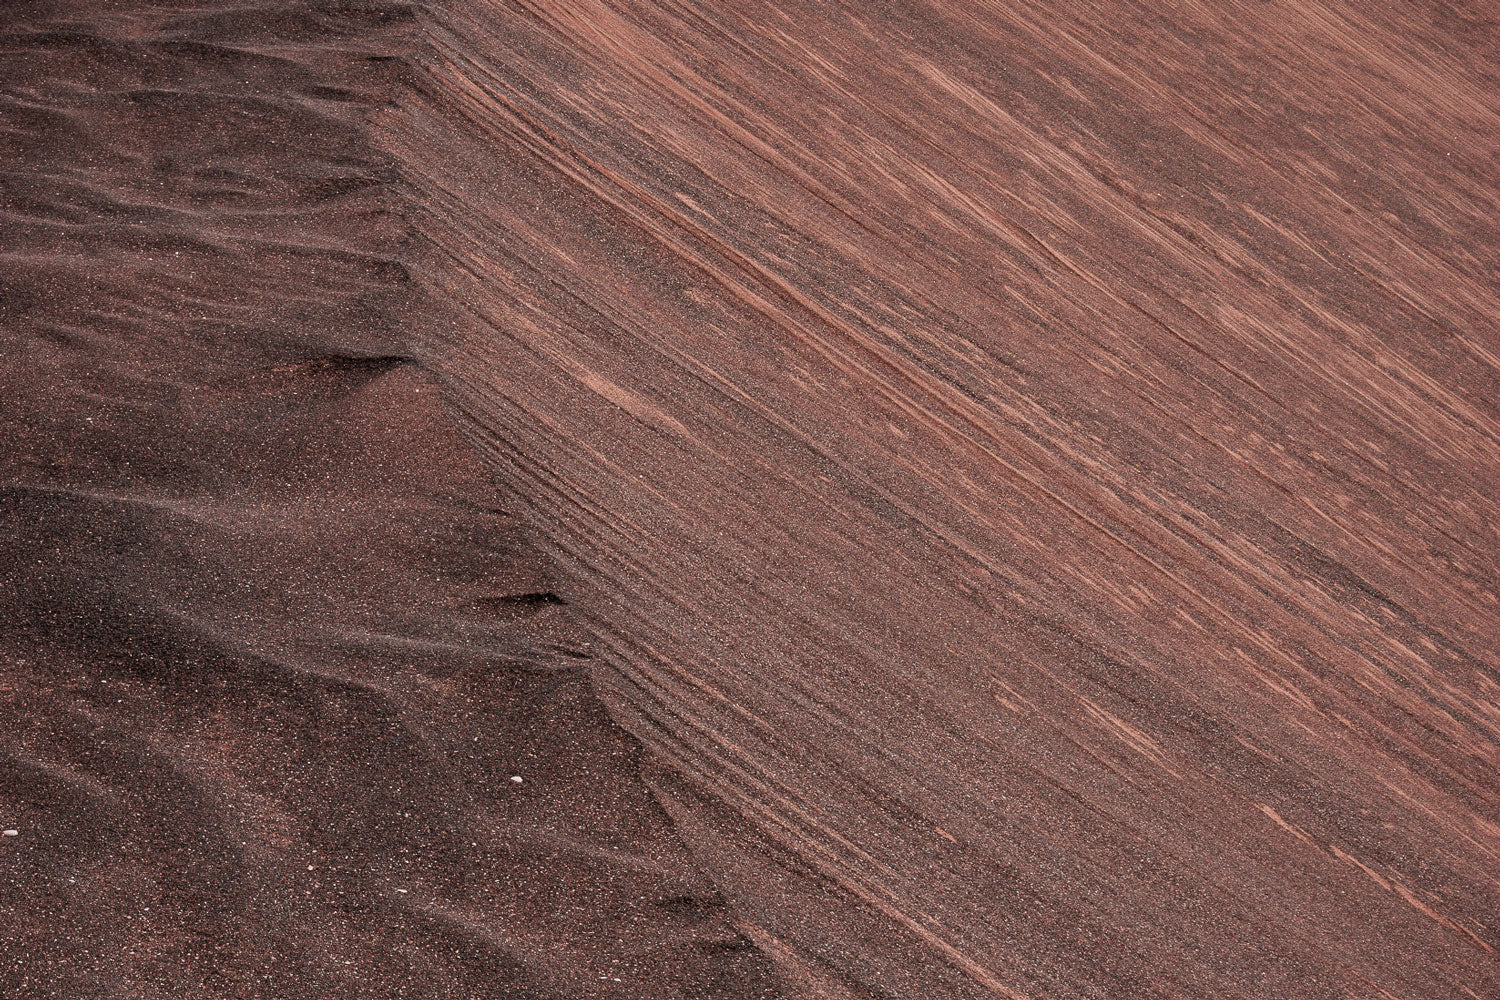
x: 271, y: 653
x: 1032, y: 467
x: 1026, y: 473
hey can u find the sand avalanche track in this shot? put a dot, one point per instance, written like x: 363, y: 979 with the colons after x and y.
x: 1026, y: 474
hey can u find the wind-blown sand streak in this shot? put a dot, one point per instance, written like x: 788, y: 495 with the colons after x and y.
x: 1031, y: 469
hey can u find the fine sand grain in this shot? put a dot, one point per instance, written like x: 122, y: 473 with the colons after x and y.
x: 597, y: 498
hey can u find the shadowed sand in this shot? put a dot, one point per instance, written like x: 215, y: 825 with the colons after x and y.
x: 284, y: 712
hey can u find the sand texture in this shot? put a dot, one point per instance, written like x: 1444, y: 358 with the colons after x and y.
x: 933, y: 500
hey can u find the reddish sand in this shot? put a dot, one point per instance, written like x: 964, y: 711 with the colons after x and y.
x: 1026, y: 474
x: 272, y: 653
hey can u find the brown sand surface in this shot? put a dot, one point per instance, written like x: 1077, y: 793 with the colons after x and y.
x: 937, y: 499
x: 273, y: 653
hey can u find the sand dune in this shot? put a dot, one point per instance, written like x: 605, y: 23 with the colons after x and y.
x: 284, y: 715
x: 931, y: 500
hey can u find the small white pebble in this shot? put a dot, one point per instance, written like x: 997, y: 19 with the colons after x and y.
x: 17, y: 833
x: 401, y: 890
x: 516, y: 778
